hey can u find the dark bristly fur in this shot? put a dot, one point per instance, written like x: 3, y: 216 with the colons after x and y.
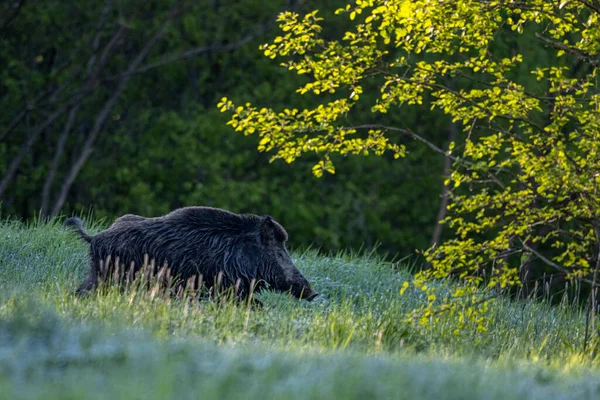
x: 199, y: 241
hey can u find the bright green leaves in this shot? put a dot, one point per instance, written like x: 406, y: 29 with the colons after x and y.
x: 300, y: 35
x: 525, y: 185
x: 292, y: 132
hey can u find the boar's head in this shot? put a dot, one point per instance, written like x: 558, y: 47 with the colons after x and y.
x: 277, y: 268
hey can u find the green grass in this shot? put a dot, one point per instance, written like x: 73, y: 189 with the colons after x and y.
x: 350, y: 343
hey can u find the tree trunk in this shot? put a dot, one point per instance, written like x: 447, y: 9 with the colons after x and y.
x: 441, y: 214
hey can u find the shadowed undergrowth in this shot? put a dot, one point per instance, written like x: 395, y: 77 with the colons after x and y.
x: 349, y: 343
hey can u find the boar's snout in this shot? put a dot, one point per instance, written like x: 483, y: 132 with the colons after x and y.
x: 301, y: 289
x: 310, y: 295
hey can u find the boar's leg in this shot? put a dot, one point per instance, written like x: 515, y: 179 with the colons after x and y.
x: 91, y: 282
x: 88, y: 286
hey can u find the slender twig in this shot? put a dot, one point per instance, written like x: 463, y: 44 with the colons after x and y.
x: 577, y: 53
x: 187, y: 54
x: 25, y: 147
x: 60, y: 146
x: 553, y: 264
x: 78, y: 97
x: 101, y: 117
x: 168, y: 59
x: 407, y: 132
x: 13, y: 124
x: 594, y: 6
x: 90, y: 73
x: 21, y: 115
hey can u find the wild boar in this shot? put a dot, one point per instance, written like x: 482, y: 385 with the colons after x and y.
x: 236, y: 249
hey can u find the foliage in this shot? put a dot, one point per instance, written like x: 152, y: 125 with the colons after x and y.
x: 526, y: 172
x: 164, y: 145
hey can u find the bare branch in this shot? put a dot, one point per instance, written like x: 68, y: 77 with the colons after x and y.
x: 105, y: 53
x: 421, y: 139
x: 101, y: 118
x: 13, y: 124
x: 197, y: 51
x: 26, y: 147
x: 76, y: 99
x: 21, y: 115
x: 98, y: 35
x: 60, y: 146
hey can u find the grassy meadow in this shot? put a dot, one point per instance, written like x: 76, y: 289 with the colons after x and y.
x: 350, y: 343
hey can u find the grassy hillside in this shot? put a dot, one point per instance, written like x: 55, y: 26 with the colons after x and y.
x: 350, y: 343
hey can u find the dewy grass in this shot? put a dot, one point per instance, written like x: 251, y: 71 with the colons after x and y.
x: 352, y: 342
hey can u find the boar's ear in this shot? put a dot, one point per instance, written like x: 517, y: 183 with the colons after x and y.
x: 271, y: 231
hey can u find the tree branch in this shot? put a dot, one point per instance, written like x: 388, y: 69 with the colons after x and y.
x: 26, y: 147
x: 101, y: 118
x: 21, y: 115
x: 577, y: 53
x: 77, y: 98
x: 593, y: 6
x: 407, y: 132
x: 552, y: 263
x: 56, y: 160
x: 196, y: 51
x: 13, y: 124
x: 45, y: 199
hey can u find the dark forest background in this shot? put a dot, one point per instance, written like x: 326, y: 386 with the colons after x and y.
x: 110, y: 106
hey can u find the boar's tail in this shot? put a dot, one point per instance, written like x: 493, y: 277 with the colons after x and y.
x: 77, y: 224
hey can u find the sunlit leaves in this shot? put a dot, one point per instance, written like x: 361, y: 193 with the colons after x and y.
x: 527, y: 173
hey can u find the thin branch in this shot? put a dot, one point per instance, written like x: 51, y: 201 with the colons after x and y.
x: 13, y: 124
x: 60, y: 146
x: 593, y: 6
x: 78, y: 97
x: 407, y: 132
x: 26, y: 147
x: 577, y: 53
x: 553, y: 264
x: 21, y: 115
x: 193, y: 52
x: 98, y: 36
x: 199, y: 50
x: 106, y: 52
x: 467, y: 100
x: 101, y: 118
